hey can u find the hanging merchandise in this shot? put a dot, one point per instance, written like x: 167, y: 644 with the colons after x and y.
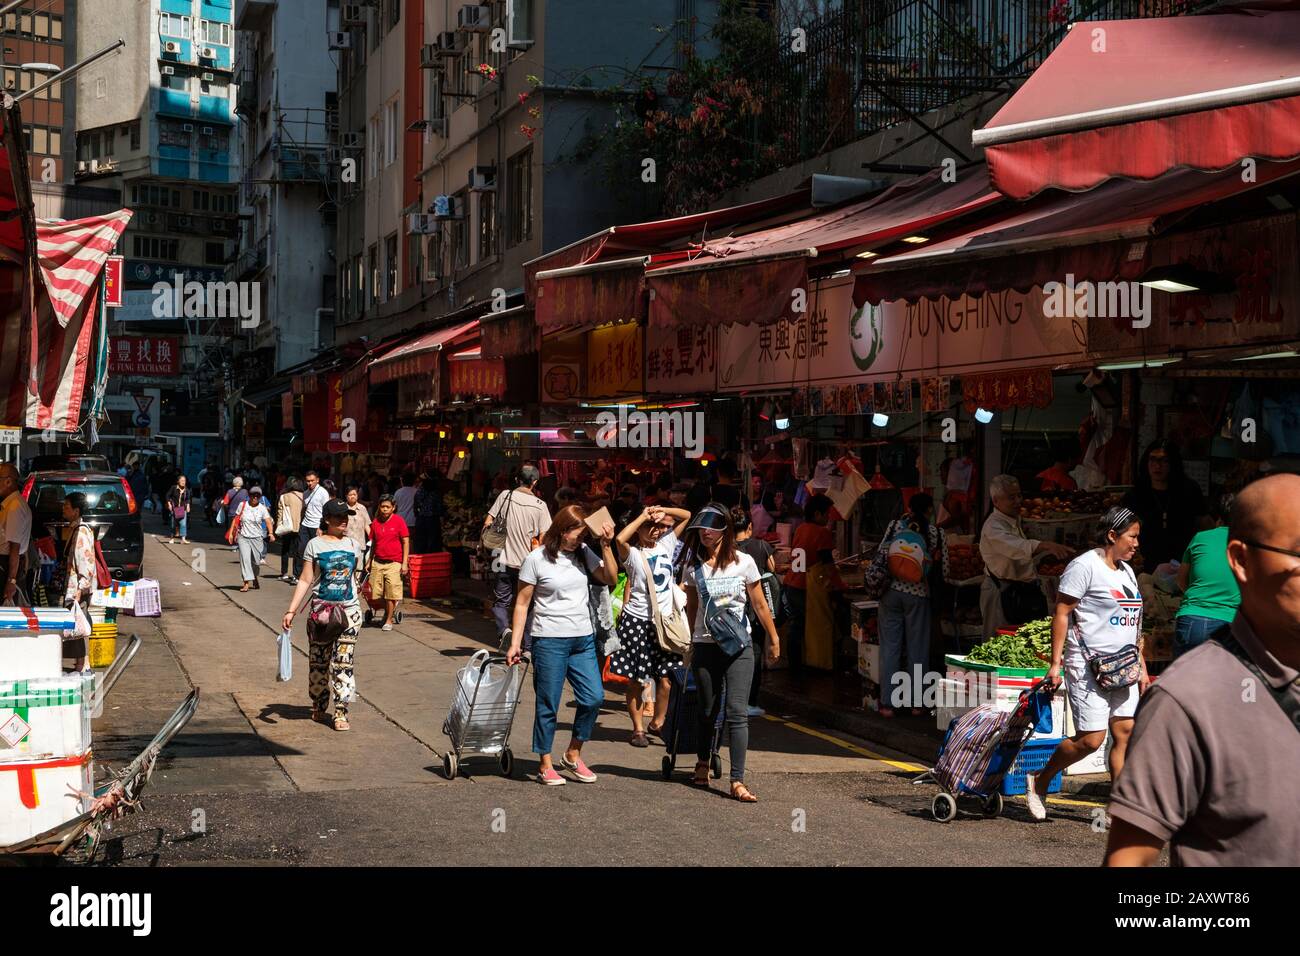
x: 936, y: 394
x: 802, y: 454
x: 851, y: 488
x: 544, y: 467
x: 799, y: 403
x: 822, y: 479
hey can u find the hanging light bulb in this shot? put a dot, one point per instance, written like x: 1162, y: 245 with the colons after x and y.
x: 480, y: 434
x: 460, y: 452
x: 983, y: 416
x: 442, y: 433
x: 879, y: 419
x: 491, y: 435
x: 469, y: 437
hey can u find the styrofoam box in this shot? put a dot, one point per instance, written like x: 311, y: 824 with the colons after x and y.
x: 55, y: 791
x: 869, y: 661
x: 55, y: 708
x: 28, y: 656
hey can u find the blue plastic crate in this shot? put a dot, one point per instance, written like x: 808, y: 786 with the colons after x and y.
x: 1033, y: 757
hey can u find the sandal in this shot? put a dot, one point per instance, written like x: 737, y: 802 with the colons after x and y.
x: 321, y: 717
x: 701, y: 778
x: 640, y: 740
x: 341, y: 723
x: 244, y: 588
x: 741, y: 792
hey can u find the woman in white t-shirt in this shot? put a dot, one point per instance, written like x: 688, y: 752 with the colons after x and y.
x: 555, y: 580
x: 730, y: 580
x: 648, y: 540
x: 1098, y: 612
x: 254, y: 528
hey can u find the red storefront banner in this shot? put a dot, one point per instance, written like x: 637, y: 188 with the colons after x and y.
x: 478, y: 377
x: 615, y: 360
x: 1018, y: 388
x: 286, y: 411
x: 339, y: 428
x: 113, y: 282
x: 145, y: 355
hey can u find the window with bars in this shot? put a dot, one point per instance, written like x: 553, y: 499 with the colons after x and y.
x: 519, y: 196
x: 487, y: 225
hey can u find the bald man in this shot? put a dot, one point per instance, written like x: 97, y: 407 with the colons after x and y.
x: 1213, y: 766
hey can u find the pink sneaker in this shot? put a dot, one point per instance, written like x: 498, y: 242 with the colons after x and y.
x: 549, y: 778
x: 579, y: 769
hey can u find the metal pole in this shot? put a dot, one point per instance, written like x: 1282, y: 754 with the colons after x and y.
x: 66, y: 73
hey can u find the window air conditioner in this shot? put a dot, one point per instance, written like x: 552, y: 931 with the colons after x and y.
x: 483, y: 179
x: 351, y: 140
x: 206, y: 77
x: 447, y: 44
x: 169, y: 71
x: 475, y: 18
x: 340, y: 41
x: 420, y: 224
x: 187, y: 127
x: 354, y: 14
x: 206, y: 131
x: 171, y: 46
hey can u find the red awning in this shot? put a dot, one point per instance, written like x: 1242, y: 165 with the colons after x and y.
x: 643, y: 238
x: 752, y: 278
x: 1091, y: 236
x: 1138, y: 98
x: 416, y: 356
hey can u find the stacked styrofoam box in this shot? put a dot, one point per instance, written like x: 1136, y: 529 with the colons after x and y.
x: 46, y: 769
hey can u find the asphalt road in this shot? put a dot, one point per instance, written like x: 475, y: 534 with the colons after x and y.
x: 252, y: 780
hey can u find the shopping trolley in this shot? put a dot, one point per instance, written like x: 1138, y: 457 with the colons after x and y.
x: 483, y: 712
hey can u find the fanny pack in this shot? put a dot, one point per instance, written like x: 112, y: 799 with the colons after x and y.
x: 1114, y: 671
x: 329, y: 617
x: 727, y: 630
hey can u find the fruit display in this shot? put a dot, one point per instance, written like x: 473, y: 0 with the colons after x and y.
x: 1069, y: 504
x: 964, y: 561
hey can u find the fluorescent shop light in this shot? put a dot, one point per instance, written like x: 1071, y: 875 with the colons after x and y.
x: 880, y: 419
x: 983, y: 416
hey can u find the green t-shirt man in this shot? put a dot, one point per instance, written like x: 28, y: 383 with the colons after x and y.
x: 1211, y: 589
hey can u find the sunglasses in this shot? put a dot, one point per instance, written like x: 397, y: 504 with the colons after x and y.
x: 1269, y: 547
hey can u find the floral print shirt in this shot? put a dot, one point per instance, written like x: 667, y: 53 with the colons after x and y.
x: 81, y: 563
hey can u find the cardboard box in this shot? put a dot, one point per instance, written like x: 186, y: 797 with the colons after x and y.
x: 28, y: 656
x: 39, y: 795
x: 44, y: 718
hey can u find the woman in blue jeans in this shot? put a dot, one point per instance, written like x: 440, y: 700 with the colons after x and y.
x: 905, y: 611
x: 1210, y: 594
x: 555, y: 582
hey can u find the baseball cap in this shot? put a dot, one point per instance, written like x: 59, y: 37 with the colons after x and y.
x: 712, y: 517
x: 337, y: 508
x: 255, y: 490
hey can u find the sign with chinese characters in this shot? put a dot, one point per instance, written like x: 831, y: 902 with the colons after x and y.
x: 563, y: 359
x: 113, y: 282
x: 681, y: 361
x: 614, y: 360
x: 478, y: 377
x: 145, y: 355
x: 1021, y: 388
x: 788, y: 353
x: 334, y: 386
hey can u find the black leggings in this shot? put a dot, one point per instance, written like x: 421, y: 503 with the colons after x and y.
x: 711, y: 667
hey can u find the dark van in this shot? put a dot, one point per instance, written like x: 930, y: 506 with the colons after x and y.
x: 111, y: 510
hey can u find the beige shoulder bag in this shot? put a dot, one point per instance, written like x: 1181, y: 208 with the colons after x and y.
x: 673, y: 633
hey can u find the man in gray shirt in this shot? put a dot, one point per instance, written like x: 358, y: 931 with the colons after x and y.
x: 1213, y: 766
x: 526, y: 518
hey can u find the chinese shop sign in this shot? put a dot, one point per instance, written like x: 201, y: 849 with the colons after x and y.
x: 681, y: 361
x: 145, y: 355
x: 478, y: 377
x: 614, y: 360
x: 113, y: 282
x: 1022, y: 388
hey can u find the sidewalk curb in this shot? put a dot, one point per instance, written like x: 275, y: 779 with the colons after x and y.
x: 919, y: 746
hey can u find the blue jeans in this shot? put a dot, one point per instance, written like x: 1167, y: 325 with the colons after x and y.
x: 904, y: 619
x: 1192, y: 629
x: 554, y: 659
x: 179, y: 526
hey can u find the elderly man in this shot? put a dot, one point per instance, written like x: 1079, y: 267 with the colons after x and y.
x: 1008, y: 555
x: 15, y: 530
x: 1213, y: 765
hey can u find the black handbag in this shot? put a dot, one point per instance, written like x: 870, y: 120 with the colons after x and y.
x: 727, y: 630
x: 1022, y: 601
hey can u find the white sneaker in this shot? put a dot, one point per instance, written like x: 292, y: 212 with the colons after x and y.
x: 756, y: 711
x: 388, y: 626
x: 1037, y: 808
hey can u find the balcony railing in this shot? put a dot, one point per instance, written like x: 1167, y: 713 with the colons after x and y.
x: 874, y: 63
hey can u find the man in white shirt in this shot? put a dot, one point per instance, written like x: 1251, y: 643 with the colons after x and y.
x: 15, y: 530
x: 404, y: 499
x: 1008, y: 555
x: 526, y: 518
x: 313, y: 500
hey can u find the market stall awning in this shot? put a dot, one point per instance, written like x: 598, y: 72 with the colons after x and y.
x: 754, y: 278
x: 1089, y: 236
x: 418, y: 355
x: 1138, y: 98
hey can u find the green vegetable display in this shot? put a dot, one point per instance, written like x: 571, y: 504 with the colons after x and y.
x: 1027, y: 648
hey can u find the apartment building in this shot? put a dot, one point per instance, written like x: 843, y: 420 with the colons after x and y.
x: 36, y: 36
x: 288, y: 115
x: 507, y: 90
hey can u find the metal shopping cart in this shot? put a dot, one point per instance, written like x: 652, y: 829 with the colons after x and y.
x: 483, y: 711
x: 981, y: 749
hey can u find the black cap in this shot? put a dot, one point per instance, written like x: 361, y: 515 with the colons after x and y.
x: 337, y: 508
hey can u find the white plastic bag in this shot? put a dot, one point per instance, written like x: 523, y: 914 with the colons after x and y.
x: 497, y: 686
x: 81, y: 623
x: 285, y: 671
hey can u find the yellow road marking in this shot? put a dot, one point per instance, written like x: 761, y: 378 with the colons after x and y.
x: 899, y: 764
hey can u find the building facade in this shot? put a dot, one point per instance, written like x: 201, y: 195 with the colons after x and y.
x: 40, y: 35
x: 288, y: 115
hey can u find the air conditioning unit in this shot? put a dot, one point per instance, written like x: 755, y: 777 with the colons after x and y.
x: 420, y: 224
x: 206, y: 131
x: 153, y: 219
x: 187, y: 127
x: 475, y: 18
x: 445, y: 207
x: 428, y: 56
x: 447, y: 44
x: 206, y: 77
x: 483, y: 179
x: 340, y: 41
x: 207, y: 53
x: 169, y: 71
x: 184, y: 222
x: 351, y: 140
x: 354, y: 14
x: 171, y: 46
